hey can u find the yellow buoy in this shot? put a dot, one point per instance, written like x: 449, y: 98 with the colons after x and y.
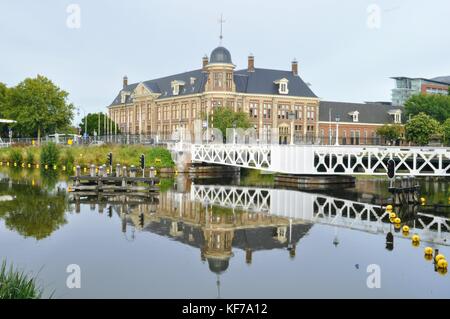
x: 415, y: 243
x: 29, y: 165
x: 422, y: 199
x: 46, y: 166
x: 397, y: 220
x: 415, y: 238
x: 442, y: 271
x: 439, y: 257
x: 428, y: 257
x: 54, y: 167
x: 64, y: 167
x: 397, y: 226
x: 443, y: 264
x: 37, y: 165
x: 389, y: 207
x: 405, y: 229
x: 15, y: 164
x: 428, y: 251
x: 392, y: 215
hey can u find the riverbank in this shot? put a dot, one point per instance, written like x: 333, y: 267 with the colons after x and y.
x: 70, y: 156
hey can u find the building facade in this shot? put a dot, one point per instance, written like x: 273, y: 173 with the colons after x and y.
x: 355, y: 123
x: 273, y: 99
x: 406, y: 87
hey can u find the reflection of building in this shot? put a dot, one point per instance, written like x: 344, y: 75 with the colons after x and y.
x: 215, y: 231
x: 162, y: 105
x: 406, y: 87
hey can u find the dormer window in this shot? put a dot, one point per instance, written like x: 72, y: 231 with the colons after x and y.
x: 397, y: 114
x: 282, y: 86
x: 192, y: 80
x: 354, y: 115
x: 176, y: 86
x: 123, y: 96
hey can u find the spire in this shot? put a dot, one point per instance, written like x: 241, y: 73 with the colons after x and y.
x: 221, y: 21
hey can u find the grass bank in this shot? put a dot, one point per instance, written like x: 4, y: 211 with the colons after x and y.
x: 70, y: 156
x: 15, y: 284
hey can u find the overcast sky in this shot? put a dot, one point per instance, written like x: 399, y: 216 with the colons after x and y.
x: 346, y: 50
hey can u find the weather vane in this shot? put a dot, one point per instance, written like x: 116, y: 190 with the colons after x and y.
x: 221, y: 21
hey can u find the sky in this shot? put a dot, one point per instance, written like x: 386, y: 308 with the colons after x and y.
x: 347, y: 50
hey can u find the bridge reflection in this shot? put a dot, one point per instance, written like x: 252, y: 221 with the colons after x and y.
x: 219, y: 219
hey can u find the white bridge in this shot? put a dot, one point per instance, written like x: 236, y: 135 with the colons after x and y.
x: 322, y: 159
x: 320, y: 209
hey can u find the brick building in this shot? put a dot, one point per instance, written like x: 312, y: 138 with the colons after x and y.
x: 161, y: 106
x: 355, y: 123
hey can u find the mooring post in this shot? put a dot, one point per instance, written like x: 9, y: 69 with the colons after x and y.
x: 77, y: 174
x: 101, y: 171
x: 132, y: 171
x: 118, y: 170
x: 124, y: 174
x: 92, y: 170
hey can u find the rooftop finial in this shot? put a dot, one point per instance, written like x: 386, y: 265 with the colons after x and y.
x: 221, y: 21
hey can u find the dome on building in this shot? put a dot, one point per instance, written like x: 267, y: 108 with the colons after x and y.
x: 220, y: 55
x: 218, y: 265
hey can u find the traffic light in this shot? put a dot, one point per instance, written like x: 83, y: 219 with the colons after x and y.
x: 391, y: 168
x: 142, y: 161
x: 110, y: 159
x: 141, y: 219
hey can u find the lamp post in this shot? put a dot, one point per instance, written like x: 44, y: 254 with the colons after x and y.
x: 337, y: 129
x: 291, y: 116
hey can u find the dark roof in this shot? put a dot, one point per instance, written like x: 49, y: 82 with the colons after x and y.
x: 220, y: 55
x: 444, y: 79
x: 259, y: 81
x: 368, y: 112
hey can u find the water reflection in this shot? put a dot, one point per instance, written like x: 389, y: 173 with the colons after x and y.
x: 33, y: 211
x: 223, y: 225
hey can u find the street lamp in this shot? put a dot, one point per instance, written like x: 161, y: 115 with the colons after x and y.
x: 291, y: 116
x: 337, y: 129
x: 234, y: 132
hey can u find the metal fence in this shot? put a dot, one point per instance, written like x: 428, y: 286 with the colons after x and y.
x: 156, y: 139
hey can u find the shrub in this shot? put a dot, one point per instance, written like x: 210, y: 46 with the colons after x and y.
x: 15, y: 155
x: 68, y: 159
x: 30, y: 157
x: 49, y: 154
x: 17, y: 285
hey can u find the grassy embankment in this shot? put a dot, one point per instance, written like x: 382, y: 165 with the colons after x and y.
x: 17, y: 285
x: 70, y: 156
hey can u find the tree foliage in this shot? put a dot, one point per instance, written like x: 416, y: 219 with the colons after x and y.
x: 420, y: 128
x: 446, y: 131
x: 435, y: 105
x: 390, y: 132
x: 93, y: 124
x: 225, y: 117
x: 39, y: 107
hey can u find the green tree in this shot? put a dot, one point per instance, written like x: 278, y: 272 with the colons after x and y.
x: 3, y: 99
x: 446, y: 131
x: 435, y: 105
x: 39, y: 107
x: 419, y: 129
x: 93, y: 124
x: 225, y: 117
x: 390, y: 132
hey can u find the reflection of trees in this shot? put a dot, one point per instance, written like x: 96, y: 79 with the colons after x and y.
x: 34, y: 212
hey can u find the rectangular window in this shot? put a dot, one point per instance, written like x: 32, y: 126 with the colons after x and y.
x: 229, y: 81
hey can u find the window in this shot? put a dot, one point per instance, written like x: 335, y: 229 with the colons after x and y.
x: 310, y: 114
x: 282, y: 86
x: 355, y: 116
x: 253, y: 111
x: 218, y: 80
x: 397, y: 118
x: 229, y: 81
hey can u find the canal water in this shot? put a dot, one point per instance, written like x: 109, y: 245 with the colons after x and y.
x: 237, y: 238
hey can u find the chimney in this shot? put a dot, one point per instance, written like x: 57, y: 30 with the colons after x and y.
x: 125, y: 81
x: 294, y: 67
x: 251, y: 63
x: 204, y: 62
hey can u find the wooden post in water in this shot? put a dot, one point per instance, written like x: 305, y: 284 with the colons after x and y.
x: 124, y: 174
x: 92, y: 170
x: 77, y: 174
x: 132, y: 171
x: 118, y: 170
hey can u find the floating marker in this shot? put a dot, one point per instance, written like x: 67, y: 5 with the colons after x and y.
x: 405, y: 229
x: 442, y: 264
x: 428, y: 251
x: 439, y: 257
